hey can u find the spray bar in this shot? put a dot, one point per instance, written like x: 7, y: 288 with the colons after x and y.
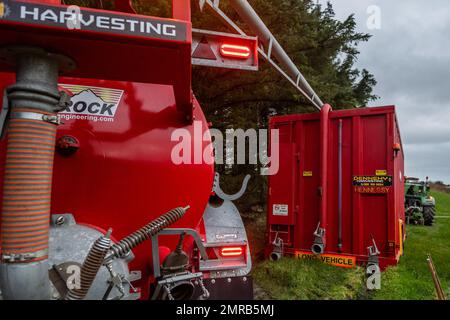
x: 287, y: 67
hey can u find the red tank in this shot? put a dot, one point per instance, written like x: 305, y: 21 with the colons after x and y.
x: 128, y: 77
x: 339, y: 188
x: 121, y: 175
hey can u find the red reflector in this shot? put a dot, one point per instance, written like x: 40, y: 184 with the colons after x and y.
x: 231, y: 251
x: 234, y: 51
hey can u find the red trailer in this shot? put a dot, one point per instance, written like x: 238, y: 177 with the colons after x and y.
x: 339, y: 191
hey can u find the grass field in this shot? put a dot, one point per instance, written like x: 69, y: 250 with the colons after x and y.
x: 411, y: 279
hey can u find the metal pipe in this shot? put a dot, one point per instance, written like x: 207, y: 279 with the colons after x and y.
x: 319, y: 243
x: 277, y: 252
x: 124, y: 246
x: 324, y: 123
x: 340, y: 186
x: 34, y: 100
x: 248, y: 14
x: 275, y: 256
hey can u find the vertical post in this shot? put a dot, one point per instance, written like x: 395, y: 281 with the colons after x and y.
x: 340, y: 187
x: 319, y: 244
x: 181, y: 10
x: 437, y: 283
x: 324, y: 119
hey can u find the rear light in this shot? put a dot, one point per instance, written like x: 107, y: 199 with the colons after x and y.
x: 235, y: 51
x: 231, y: 251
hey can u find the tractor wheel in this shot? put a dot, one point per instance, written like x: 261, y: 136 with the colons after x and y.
x: 428, y: 215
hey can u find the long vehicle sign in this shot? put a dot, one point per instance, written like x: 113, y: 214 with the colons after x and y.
x: 74, y: 17
x: 337, y: 260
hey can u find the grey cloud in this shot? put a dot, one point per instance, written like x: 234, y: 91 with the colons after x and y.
x: 410, y: 60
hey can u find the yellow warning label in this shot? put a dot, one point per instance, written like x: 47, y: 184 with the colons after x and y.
x: 331, y: 259
x: 381, y: 173
x: 400, y: 231
x: 307, y: 173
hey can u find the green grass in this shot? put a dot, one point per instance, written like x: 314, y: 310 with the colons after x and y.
x: 442, y: 203
x: 292, y: 279
x: 411, y: 279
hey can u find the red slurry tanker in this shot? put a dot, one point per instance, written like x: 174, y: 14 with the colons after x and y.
x: 93, y: 205
x: 90, y: 100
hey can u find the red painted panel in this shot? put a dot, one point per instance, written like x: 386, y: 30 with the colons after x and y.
x: 374, y: 214
x: 309, y: 205
x: 285, y: 178
x: 181, y: 10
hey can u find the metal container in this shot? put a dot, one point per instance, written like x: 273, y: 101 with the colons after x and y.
x: 339, y: 187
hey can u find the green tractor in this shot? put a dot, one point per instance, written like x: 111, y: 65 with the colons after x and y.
x: 420, y: 206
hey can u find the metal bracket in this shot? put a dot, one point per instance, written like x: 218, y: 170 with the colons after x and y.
x: 167, y: 283
x: 117, y: 280
x: 277, y: 248
x: 64, y: 101
x: 318, y: 245
x: 373, y: 253
x: 219, y: 192
x: 58, y: 276
x: 319, y: 232
x: 4, y: 113
x: 53, y: 119
x: 62, y: 220
x: 9, y: 258
x: 213, y: 5
x: 174, y: 231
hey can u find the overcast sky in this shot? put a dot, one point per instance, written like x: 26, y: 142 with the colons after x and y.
x: 410, y: 58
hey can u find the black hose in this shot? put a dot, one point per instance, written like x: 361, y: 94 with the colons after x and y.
x: 124, y: 246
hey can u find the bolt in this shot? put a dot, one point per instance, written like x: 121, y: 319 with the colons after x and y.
x: 60, y: 220
x: 229, y: 280
x: 244, y: 279
x: 213, y: 281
